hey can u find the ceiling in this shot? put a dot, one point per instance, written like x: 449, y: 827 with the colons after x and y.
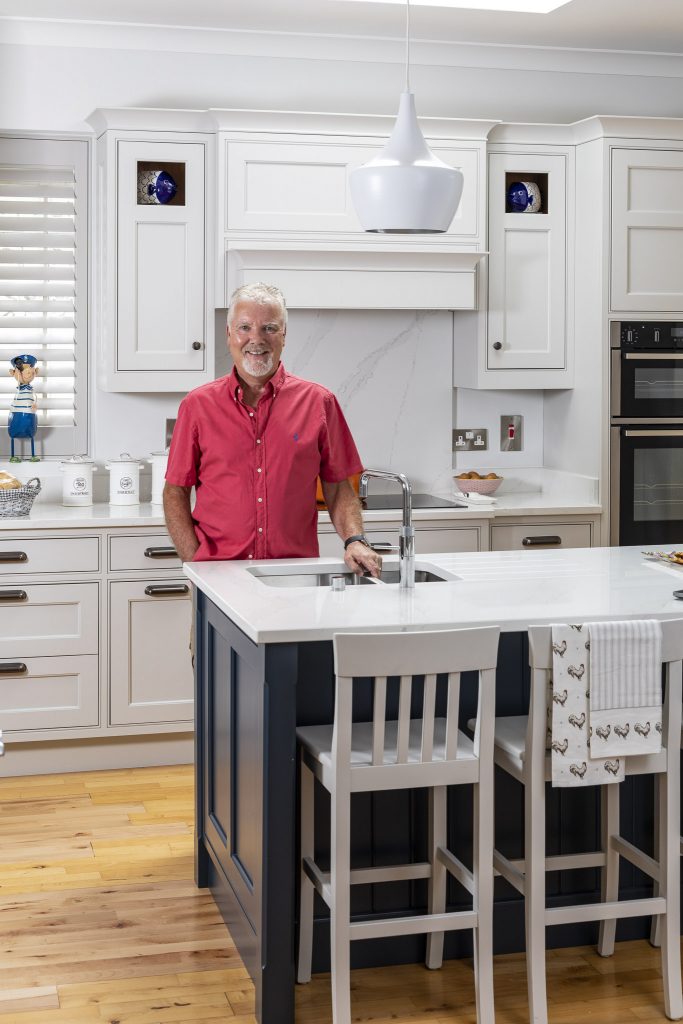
x: 632, y: 25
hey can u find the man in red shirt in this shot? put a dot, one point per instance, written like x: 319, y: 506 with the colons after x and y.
x: 253, y: 444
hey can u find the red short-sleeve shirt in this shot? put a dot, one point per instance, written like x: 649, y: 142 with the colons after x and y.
x: 255, y: 470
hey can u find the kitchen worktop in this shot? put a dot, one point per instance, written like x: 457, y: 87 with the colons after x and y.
x: 510, y: 588
x: 55, y: 516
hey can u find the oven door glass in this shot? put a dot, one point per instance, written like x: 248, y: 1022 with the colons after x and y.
x: 651, y: 486
x: 651, y: 387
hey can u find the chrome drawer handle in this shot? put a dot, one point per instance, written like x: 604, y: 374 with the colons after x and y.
x: 531, y: 542
x: 161, y: 553
x: 13, y: 556
x: 13, y: 595
x: 154, y: 590
x: 13, y: 668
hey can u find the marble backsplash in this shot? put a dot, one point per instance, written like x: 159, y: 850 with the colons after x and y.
x: 392, y: 374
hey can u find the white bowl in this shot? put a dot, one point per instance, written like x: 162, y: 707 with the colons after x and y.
x: 477, y: 486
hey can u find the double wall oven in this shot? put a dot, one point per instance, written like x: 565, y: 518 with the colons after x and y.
x: 646, y: 433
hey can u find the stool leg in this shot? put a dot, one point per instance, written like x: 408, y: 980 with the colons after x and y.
x: 609, y: 826
x: 669, y: 867
x: 340, y: 905
x: 656, y: 923
x: 534, y: 896
x: 482, y: 868
x: 439, y: 877
x: 306, y: 890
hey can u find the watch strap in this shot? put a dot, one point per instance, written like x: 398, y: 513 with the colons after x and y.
x: 356, y: 537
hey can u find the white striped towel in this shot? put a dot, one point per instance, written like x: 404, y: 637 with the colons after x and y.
x: 626, y: 688
x: 571, y: 760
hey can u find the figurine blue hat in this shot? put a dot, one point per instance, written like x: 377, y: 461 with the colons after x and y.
x: 26, y: 360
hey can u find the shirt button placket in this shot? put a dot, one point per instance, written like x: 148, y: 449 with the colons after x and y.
x: 260, y: 491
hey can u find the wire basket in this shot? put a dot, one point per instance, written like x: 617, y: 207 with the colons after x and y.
x: 17, y: 501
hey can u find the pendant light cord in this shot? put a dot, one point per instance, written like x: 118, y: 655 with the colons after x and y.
x: 407, y: 45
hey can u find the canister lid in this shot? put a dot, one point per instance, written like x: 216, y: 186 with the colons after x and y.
x: 78, y: 460
x: 125, y: 457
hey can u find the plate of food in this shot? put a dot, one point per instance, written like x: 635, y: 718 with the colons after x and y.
x: 676, y: 557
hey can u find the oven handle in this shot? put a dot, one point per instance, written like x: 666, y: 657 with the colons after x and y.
x: 645, y: 356
x: 653, y: 433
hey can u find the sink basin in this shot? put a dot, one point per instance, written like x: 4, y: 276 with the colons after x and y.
x: 311, y: 576
x: 298, y: 578
x: 421, y: 576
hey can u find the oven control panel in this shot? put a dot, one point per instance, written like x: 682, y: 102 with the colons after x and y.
x: 655, y: 335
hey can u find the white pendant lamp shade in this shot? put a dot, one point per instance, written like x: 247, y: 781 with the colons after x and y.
x: 406, y: 189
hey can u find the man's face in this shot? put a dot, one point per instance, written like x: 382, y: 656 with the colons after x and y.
x: 256, y: 337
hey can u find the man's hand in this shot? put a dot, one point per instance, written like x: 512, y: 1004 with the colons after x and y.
x: 360, y: 558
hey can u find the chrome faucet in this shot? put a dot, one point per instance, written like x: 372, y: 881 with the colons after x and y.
x: 406, y: 541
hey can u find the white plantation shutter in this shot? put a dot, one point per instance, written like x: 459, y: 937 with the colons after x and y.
x: 44, y: 284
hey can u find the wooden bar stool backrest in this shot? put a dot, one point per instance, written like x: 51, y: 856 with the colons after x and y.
x: 406, y: 655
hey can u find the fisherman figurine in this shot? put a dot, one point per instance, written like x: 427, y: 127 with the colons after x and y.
x: 23, y: 421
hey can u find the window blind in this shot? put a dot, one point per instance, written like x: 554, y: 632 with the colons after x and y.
x: 43, y: 283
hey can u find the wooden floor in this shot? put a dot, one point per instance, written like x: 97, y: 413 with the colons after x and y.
x: 100, y: 922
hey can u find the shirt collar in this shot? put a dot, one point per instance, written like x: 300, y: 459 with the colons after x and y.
x: 272, y: 387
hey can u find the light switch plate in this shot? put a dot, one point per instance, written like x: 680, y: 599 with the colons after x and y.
x: 511, y: 433
x: 469, y: 439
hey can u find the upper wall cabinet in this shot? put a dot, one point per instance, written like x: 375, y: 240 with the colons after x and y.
x: 155, y: 310
x: 647, y: 230
x: 524, y: 340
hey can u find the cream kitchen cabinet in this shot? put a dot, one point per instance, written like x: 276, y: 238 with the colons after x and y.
x: 154, y: 309
x: 543, y: 532
x: 150, y: 673
x: 646, y: 230
x: 95, y: 669
x: 431, y: 537
x: 524, y: 341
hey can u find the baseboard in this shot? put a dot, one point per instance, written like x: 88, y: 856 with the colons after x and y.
x: 96, y: 754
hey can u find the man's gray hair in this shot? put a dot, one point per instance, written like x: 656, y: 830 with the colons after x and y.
x: 265, y: 294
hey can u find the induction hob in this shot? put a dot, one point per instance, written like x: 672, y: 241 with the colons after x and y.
x: 375, y: 502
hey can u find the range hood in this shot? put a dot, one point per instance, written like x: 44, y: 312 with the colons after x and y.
x: 347, y: 276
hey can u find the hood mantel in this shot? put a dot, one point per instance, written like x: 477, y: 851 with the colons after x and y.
x: 346, y: 276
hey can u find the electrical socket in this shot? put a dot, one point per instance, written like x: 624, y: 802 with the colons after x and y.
x: 466, y: 439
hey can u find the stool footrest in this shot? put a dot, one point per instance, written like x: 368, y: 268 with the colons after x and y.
x: 418, y: 925
x: 456, y: 868
x: 635, y: 856
x: 606, y: 911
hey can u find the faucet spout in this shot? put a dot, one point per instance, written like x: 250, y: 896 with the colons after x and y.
x: 406, y: 551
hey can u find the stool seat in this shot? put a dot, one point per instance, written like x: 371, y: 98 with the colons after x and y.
x: 317, y: 740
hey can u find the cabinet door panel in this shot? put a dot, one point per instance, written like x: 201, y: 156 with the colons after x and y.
x: 527, y: 270
x: 647, y: 230
x: 51, y: 619
x: 150, y: 674
x: 160, y: 264
x: 544, y: 535
x: 52, y: 693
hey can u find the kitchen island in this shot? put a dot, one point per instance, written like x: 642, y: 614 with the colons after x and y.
x: 264, y: 666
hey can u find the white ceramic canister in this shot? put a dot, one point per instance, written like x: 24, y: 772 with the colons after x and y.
x: 158, y: 461
x: 77, y: 482
x: 124, y: 480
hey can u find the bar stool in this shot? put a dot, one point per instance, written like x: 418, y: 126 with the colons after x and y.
x: 520, y: 750
x: 359, y: 757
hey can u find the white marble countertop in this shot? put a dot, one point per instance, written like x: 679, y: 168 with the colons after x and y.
x: 509, y: 588
x: 55, y: 516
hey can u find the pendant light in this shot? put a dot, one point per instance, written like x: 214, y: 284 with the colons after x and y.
x: 406, y: 189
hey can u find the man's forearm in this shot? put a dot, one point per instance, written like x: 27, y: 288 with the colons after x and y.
x: 179, y: 520
x: 344, y: 508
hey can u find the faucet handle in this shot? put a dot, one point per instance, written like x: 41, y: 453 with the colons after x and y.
x: 383, y: 547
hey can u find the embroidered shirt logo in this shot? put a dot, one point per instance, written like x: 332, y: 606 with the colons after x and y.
x: 296, y: 437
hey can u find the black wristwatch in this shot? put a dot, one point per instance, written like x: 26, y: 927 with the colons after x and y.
x: 354, y: 537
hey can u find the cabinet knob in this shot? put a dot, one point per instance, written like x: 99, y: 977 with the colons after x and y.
x: 196, y: 345
x: 498, y: 345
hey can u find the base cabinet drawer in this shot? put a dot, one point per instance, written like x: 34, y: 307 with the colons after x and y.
x: 49, y: 554
x: 541, y: 535
x: 49, y: 693
x: 150, y: 667
x: 151, y: 552
x: 49, y: 619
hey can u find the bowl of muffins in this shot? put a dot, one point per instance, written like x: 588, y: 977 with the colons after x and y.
x: 475, y: 483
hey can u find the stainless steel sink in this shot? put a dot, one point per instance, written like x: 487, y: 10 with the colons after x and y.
x: 309, y: 579
x: 311, y: 576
